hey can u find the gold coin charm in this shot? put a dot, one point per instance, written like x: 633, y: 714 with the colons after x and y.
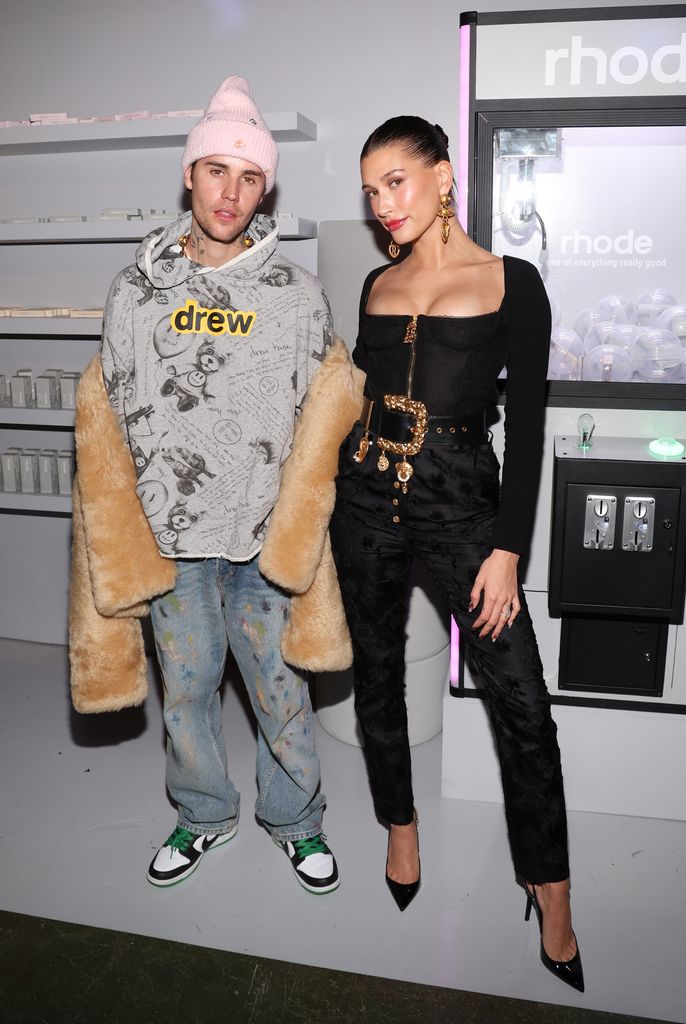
x: 403, y: 471
x: 361, y: 453
x: 383, y: 463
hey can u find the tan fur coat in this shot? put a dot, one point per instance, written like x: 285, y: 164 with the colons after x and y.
x: 117, y: 568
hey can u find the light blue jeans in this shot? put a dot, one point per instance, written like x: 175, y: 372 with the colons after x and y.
x: 215, y: 605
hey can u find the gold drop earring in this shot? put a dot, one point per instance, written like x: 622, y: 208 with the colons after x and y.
x: 393, y: 250
x: 445, y: 213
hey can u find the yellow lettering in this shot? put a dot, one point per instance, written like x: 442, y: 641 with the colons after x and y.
x: 189, y: 319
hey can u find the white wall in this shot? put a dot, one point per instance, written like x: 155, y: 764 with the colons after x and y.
x: 347, y: 65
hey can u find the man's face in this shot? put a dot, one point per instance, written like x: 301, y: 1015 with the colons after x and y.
x: 225, y: 191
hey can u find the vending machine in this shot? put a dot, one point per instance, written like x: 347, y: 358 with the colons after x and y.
x: 572, y: 155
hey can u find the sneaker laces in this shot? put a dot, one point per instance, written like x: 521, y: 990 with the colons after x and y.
x: 180, y: 839
x: 311, y: 844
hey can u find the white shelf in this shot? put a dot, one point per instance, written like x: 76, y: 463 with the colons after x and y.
x: 18, y: 502
x: 121, y: 231
x: 290, y: 126
x: 78, y: 231
x: 65, y: 327
x: 48, y: 418
x: 296, y: 227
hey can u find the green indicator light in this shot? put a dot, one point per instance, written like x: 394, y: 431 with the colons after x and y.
x: 666, y: 446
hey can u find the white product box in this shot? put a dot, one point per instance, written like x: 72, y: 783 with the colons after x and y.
x: 47, y: 471
x: 20, y: 390
x: 121, y: 213
x: 28, y: 471
x: 10, y: 470
x: 57, y: 375
x: 46, y: 392
x: 68, y: 385
x: 65, y: 471
x: 133, y: 115
x: 4, y: 392
x: 27, y: 372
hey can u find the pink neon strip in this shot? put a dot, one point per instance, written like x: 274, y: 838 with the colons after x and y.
x: 454, y: 653
x: 463, y: 154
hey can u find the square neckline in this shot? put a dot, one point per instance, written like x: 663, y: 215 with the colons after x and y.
x: 443, y: 316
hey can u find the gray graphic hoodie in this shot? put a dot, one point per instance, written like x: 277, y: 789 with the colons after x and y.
x: 207, y: 368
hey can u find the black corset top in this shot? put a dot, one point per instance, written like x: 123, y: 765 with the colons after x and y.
x: 456, y: 359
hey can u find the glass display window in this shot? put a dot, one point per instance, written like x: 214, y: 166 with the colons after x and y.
x: 597, y: 209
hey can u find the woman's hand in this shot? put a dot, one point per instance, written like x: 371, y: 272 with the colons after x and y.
x: 496, y: 582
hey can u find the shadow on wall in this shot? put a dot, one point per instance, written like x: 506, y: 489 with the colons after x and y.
x: 346, y: 251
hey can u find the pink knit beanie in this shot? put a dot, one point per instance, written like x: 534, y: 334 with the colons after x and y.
x: 233, y: 126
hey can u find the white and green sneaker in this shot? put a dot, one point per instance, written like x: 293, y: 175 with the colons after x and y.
x: 313, y: 863
x: 181, y: 853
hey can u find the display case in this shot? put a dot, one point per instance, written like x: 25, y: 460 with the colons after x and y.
x: 572, y: 156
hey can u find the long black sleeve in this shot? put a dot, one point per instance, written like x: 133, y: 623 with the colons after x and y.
x: 528, y: 324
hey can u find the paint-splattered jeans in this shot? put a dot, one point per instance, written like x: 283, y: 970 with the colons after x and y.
x: 218, y: 604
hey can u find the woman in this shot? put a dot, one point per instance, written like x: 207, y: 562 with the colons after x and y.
x: 418, y: 478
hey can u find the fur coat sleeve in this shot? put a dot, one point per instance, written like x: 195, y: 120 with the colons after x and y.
x: 296, y: 553
x: 116, y: 567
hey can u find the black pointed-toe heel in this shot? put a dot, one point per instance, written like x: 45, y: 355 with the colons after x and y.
x: 569, y: 971
x: 403, y: 892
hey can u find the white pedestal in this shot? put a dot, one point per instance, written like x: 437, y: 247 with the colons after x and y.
x: 427, y: 660
x: 613, y: 761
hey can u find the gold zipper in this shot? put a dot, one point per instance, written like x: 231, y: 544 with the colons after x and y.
x: 409, y: 339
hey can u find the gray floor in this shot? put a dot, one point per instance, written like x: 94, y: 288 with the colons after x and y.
x: 83, y: 809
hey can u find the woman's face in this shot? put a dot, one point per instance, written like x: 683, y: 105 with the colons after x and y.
x: 403, y: 192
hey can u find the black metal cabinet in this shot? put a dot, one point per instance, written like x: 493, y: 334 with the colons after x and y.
x: 618, y: 544
x: 617, y: 563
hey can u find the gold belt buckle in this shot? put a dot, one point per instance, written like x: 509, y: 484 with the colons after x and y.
x: 401, y: 403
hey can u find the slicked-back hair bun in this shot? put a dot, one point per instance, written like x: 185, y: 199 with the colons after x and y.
x: 442, y: 134
x: 427, y: 142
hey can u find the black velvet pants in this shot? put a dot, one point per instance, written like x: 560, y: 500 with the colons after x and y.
x: 446, y: 520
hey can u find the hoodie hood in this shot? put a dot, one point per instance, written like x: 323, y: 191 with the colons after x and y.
x: 160, y: 259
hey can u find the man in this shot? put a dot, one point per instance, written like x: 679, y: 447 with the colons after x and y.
x: 198, y: 336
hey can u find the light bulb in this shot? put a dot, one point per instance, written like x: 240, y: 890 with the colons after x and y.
x: 585, y: 425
